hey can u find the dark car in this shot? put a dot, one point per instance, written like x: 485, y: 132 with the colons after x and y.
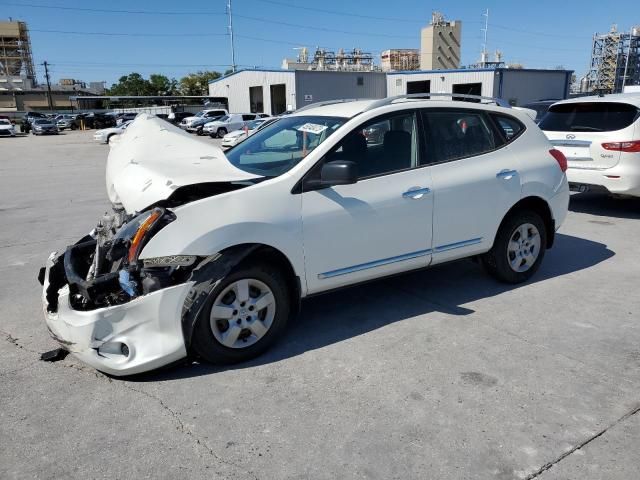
x: 44, y: 126
x: 541, y: 107
x: 95, y: 120
x: 125, y: 117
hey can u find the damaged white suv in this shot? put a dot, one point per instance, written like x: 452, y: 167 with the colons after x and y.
x: 209, y: 254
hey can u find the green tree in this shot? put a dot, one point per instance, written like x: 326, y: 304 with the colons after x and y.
x: 132, y: 84
x: 197, y: 83
x: 162, y: 85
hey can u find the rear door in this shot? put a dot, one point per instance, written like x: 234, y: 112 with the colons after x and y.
x: 579, y: 130
x: 475, y: 177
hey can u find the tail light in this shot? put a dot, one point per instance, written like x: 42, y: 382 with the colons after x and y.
x: 632, y: 146
x: 560, y: 158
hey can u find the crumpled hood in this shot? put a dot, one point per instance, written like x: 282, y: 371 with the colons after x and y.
x: 153, y: 158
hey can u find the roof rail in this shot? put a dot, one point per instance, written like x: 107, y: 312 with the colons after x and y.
x: 326, y: 102
x: 426, y: 96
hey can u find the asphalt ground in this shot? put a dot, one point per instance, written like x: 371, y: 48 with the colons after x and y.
x: 441, y: 374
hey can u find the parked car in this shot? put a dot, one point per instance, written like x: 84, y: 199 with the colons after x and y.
x: 234, y: 121
x: 541, y: 107
x: 125, y: 117
x: 211, y: 114
x: 66, y: 121
x: 106, y: 134
x: 96, y: 120
x: 197, y: 125
x: 212, y: 255
x: 233, y: 138
x: 31, y: 116
x: 177, y: 117
x: 43, y: 126
x: 6, y: 128
x: 600, y: 136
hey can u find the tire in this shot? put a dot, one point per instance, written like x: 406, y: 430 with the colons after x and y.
x: 222, y: 132
x: 199, y: 132
x: 210, y: 327
x: 516, y: 262
x: 73, y: 127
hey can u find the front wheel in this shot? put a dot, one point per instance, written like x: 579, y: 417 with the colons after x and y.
x: 243, y: 316
x: 518, y: 249
x: 222, y: 132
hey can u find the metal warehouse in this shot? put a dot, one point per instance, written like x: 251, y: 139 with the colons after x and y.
x: 275, y: 91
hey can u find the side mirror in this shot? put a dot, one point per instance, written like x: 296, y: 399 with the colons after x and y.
x: 338, y: 172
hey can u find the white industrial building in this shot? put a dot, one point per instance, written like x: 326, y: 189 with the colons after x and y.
x: 274, y: 91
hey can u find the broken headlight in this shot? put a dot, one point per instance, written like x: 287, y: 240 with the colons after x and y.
x: 134, y: 235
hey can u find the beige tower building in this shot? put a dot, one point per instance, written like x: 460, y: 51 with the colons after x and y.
x: 440, y: 44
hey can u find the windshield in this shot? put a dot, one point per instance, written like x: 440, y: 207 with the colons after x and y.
x: 4, y: 122
x: 589, y: 117
x: 224, y: 118
x: 279, y: 147
x: 42, y: 122
x: 199, y: 114
x: 255, y: 124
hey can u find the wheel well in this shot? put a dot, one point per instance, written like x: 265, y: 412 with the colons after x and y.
x: 278, y: 260
x: 541, y: 207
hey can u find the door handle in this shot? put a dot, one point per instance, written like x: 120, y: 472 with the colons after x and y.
x: 506, y: 174
x: 416, y: 193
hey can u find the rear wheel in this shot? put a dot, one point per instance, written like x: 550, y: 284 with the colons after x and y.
x: 518, y: 249
x: 222, y: 132
x: 244, y: 315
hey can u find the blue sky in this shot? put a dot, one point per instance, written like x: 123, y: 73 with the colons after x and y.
x: 537, y: 34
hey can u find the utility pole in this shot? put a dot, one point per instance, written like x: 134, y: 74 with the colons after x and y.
x: 484, y: 57
x: 233, y: 49
x: 46, y: 75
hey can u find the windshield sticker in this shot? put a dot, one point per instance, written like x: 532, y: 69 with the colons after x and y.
x: 312, y: 128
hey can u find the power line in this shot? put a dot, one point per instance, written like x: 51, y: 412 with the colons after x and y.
x: 129, y: 34
x: 104, y: 10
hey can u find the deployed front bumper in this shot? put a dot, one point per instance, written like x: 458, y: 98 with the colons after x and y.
x: 140, y: 335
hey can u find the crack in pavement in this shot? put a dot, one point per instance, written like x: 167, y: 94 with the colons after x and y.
x: 181, y: 427
x: 551, y: 464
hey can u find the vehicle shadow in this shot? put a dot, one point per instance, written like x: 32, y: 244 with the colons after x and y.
x: 605, y: 205
x: 338, y: 316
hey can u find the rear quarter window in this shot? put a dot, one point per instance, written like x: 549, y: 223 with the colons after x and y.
x: 589, y: 117
x: 509, y: 127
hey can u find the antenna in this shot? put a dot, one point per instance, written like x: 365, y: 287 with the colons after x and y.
x: 484, y: 56
x: 233, y: 49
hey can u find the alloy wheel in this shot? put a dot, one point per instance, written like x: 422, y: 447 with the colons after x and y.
x: 242, y: 313
x: 524, y: 247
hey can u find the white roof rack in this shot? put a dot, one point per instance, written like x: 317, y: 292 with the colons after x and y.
x: 427, y: 96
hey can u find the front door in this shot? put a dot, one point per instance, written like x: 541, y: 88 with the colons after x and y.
x: 380, y: 225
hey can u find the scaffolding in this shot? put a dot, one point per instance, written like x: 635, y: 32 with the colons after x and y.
x: 15, y: 51
x: 400, y: 59
x: 615, y: 61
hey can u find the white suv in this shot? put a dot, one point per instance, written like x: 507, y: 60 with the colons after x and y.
x: 600, y: 136
x: 211, y: 113
x: 234, y: 121
x: 209, y: 254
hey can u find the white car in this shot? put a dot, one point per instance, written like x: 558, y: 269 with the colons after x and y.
x: 6, y: 128
x: 106, y: 134
x: 234, y: 121
x: 600, y: 136
x: 211, y: 113
x: 209, y: 255
x: 237, y: 136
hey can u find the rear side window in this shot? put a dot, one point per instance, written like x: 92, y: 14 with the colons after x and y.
x: 248, y: 117
x: 509, y: 127
x: 454, y: 134
x: 589, y: 117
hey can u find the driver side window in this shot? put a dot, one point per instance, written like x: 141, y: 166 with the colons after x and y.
x: 381, y: 146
